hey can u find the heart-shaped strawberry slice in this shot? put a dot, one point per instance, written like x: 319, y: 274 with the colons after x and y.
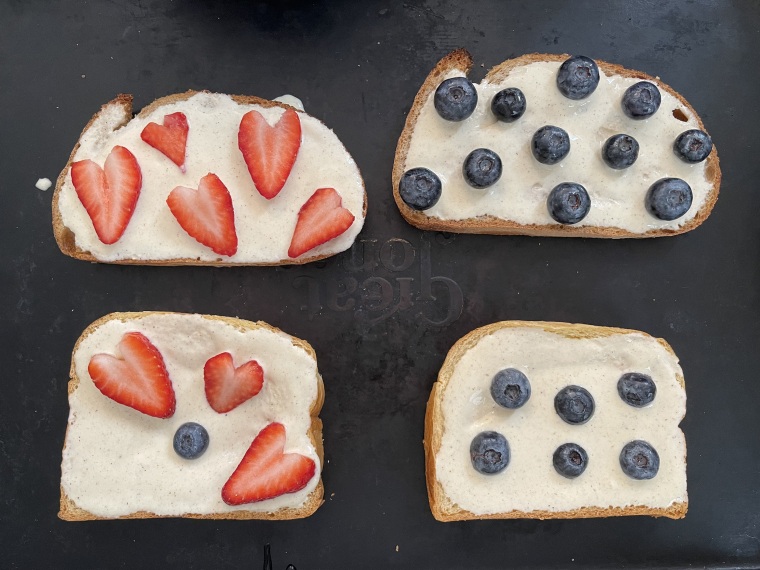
x: 226, y: 386
x: 169, y: 138
x: 266, y: 472
x: 320, y: 219
x: 269, y: 152
x: 109, y: 194
x: 137, y: 379
x: 206, y: 214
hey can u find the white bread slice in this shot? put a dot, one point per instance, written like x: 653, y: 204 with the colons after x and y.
x: 516, y: 204
x: 264, y: 227
x: 105, y: 476
x: 460, y: 406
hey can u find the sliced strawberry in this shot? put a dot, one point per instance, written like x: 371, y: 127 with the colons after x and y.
x: 138, y: 379
x: 320, y: 219
x: 226, y: 386
x: 169, y: 138
x: 109, y: 195
x: 269, y: 152
x: 206, y: 214
x: 266, y: 472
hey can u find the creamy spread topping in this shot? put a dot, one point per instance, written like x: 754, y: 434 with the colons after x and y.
x: 617, y: 196
x: 534, y: 431
x: 264, y: 227
x: 118, y: 461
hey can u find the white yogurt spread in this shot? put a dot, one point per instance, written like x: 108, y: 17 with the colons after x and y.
x: 118, y: 461
x: 534, y: 431
x: 617, y: 196
x: 264, y: 227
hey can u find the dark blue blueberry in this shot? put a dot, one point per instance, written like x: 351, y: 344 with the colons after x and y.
x: 420, y: 188
x: 568, y: 203
x: 508, y: 105
x: 190, y: 440
x: 641, y: 100
x: 668, y: 199
x: 577, y: 77
x: 510, y: 388
x: 639, y: 460
x: 570, y: 460
x: 455, y: 99
x: 620, y: 151
x: 550, y: 144
x: 481, y: 168
x: 636, y: 389
x: 574, y: 404
x: 489, y: 452
x: 693, y: 145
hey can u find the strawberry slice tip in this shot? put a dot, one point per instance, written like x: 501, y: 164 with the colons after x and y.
x: 320, y: 219
x: 226, y: 386
x: 137, y: 379
x: 266, y: 472
x: 206, y: 214
x: 109, y: 194
x: 169, y: 138
x: 269, y: 152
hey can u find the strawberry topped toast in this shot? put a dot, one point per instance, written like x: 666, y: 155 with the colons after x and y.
x: 179, y: 415
x: 207, y: 179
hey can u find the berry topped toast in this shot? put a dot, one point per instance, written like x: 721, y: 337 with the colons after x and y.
x: 178, y: 415
x: 553, y: 145
x: 555, y: 420
x: 204, y: 178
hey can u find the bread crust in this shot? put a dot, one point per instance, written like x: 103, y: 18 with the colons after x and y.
x: 461, y: 60
x: 69, y: 511
x: 442, y: 507
x: 66, y: 239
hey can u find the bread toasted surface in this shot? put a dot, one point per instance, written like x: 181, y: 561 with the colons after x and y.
x: 460, y: 406
x: 259, y: 222
x: 516, y: 204
x: 105, y: 478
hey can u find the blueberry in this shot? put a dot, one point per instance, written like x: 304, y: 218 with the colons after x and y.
x: 568, y: 203
x: 668, y: 199
x: 508, y: 105
x: 190, y: 440
x: 420, y: 188
x: 620, y: 151
x: 692, y: 145
x: 455, y: 99
x: 489, y: 452
x: 570, y: 460
x: 510, y: 388
x: 481, y: 168
x: 578, y: 77
x: 639, y: 460
x: 641, y: 100
x: 636, y: 389
x: 550, y: 144
x: 574, y: 404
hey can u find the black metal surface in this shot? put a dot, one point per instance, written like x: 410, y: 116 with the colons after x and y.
x: 382, y: 316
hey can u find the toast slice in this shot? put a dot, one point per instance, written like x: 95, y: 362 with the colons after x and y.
x: 264, y: 221
x: 118, y: 463
x: 553, y: 356
x: 517, y: 202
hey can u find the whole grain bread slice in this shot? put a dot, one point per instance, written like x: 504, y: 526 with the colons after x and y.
x: 69, y: 511
x: 462, y: 61
x: 65, y: 237
x: 442, y: 507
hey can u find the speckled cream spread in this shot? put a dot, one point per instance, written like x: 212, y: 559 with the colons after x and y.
x: 118, y: 461
x: 617, y: 196
x: 264, y: 227
x: 534, y: 431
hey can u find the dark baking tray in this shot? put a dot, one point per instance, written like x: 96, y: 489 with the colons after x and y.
x: 383, y: 315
